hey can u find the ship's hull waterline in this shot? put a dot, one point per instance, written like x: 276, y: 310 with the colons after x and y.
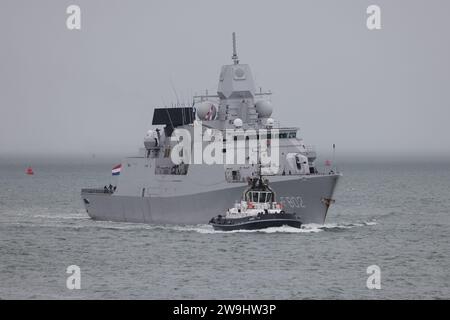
x: 304, y: 195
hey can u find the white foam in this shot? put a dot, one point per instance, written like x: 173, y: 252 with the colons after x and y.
x: 203, y: 228
x: 306, y: 228
x: 207, y: 229
x: 59, y: 216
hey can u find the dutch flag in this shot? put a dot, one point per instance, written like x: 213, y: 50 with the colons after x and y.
x: 116, y: 170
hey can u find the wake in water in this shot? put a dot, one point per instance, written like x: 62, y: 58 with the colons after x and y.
x: 81, y: 220
x: 307, y: 228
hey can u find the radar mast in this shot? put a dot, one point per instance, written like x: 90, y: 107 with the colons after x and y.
x: 235, y: 56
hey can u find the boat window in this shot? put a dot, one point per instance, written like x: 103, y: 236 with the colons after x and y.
x: 283, y: 135
x: 255, y: 196
x: 269, y: 197
x: 262, y: 197
x: 292, y: 134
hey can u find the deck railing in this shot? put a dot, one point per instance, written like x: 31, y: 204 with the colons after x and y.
x: 98, y: 190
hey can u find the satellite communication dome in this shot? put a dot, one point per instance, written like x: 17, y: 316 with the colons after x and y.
x: 206, y: 110
x: 237, y: 123
x: 264, y: 108
x: 151, y: 139
x: 270, y: 122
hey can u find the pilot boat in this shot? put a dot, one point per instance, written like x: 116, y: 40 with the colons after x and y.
x: 258, y: 209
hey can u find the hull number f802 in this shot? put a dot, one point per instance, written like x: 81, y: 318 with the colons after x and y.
x: 293, y: 202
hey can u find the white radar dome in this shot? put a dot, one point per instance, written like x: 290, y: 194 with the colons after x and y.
x: 237, y: 123
x: 264, y: 108
x: 206, y: 110
x: 270, y: 122
x: 151, y: 139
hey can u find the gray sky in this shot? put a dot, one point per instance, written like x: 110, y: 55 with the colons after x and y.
x: 94, y: 90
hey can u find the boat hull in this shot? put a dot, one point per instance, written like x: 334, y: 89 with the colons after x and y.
x: 255, y: 223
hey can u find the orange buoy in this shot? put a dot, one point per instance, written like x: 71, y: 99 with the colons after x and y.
x: 30, y: 171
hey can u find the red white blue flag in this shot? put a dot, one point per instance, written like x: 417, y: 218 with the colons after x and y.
x: 116, y: 170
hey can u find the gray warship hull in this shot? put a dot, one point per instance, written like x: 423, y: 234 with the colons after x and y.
x: 308, y: 196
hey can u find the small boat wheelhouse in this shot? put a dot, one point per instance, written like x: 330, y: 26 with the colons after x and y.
x: 259, y: 196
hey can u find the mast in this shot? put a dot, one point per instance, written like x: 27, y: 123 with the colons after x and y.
x: 235, y: 56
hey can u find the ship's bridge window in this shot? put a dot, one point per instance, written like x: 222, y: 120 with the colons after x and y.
x: 286, y: 135
x: 252, y: 196
x: 266, y: 197
x: 262, y: 196
x: 259, y: 196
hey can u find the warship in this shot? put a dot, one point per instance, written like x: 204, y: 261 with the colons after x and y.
x: 152, y: 188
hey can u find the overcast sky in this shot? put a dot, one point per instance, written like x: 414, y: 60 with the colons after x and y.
x: 384, y: 92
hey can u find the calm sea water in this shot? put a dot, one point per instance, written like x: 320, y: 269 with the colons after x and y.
x: 395, y: 216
